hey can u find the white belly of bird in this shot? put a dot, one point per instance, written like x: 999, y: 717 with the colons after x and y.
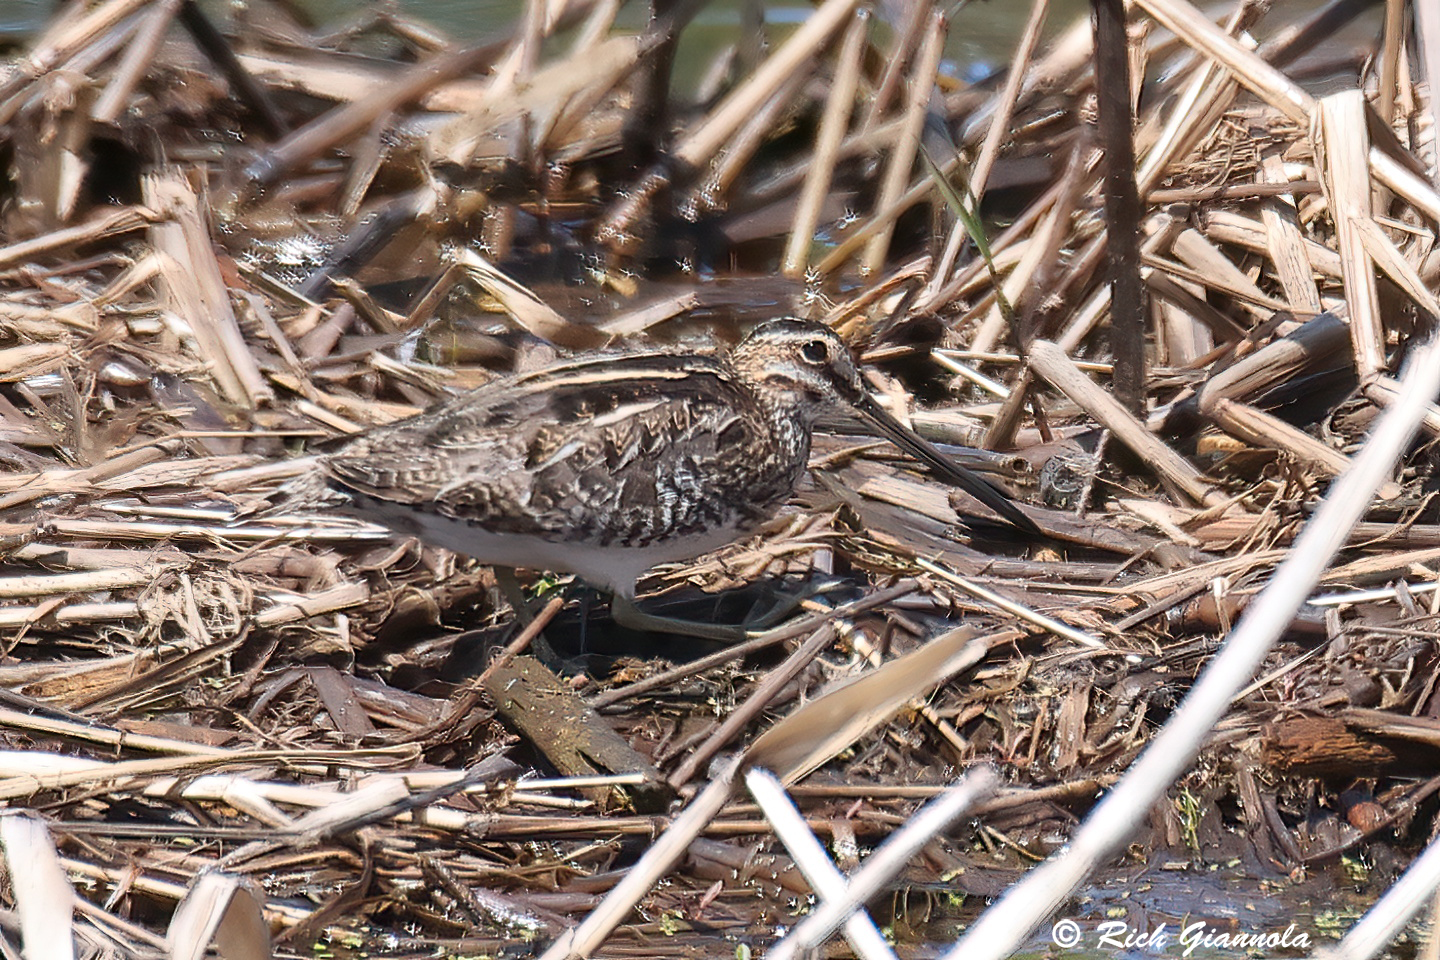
x: 613, y: 567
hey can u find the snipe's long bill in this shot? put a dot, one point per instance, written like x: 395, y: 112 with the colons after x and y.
x: 967, y: 480
x: 606, y: 466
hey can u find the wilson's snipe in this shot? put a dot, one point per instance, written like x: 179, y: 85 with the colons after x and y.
x: 604, y: 467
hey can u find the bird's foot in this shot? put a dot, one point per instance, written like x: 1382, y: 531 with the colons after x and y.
x: 780, y: 605
x: 628, y: 615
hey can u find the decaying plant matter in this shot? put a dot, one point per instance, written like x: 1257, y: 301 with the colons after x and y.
x: 225, y: 242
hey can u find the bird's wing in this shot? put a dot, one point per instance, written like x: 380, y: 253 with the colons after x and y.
x: 617, y: 449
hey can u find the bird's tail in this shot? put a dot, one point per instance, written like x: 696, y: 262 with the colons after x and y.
x: 309, y: 492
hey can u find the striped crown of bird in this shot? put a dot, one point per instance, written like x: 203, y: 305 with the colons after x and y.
x: 608, y: 465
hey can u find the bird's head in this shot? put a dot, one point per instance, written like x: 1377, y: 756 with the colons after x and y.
x: 801, y: 364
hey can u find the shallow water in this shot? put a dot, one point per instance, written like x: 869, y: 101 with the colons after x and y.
x: 1186, y: 910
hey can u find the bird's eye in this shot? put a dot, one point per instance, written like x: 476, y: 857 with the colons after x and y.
x: 816, y: 351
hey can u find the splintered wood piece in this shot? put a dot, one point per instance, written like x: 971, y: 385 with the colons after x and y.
x: 1286, y: 243
x: 1341, y: 143
x: 571, y: 735
x: 1314, y: 746
x: 194, y: 287
x: 1261, y: 429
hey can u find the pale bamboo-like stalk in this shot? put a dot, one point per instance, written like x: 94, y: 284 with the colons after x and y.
x: 907, y: 144
x: 42, y: 585
x: 1280, y: 92
x: 1427, y: 30
x: 339, y: 597
x: 838, y: 106
x: 275, y: 912
x: 597, y: 25
x: 1392, y: 46
x: 248, y: 533
x: 1341, y: 142
x: 843, y: 902
x: 1296, y: 354
x: 1037, y: 252
x: 1062, y: 63
x: 343, y: 122
x: 701, y: 144
x: 916, y: 15
x: 1286, y: 243
x: 18, y: 617
x: 819, y: 870
x: 44, y: 899
x: 1001, y: 929
x: 109, y: 224
x: 32, y: 487
x: 733, y: 161
x: 1186, y: 334
x: 1019, y: 235
x: 1262, y: 79
x: 138, y: 58
x: 996, y: 138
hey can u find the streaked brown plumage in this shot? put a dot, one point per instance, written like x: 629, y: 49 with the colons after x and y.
x: 606, y: 466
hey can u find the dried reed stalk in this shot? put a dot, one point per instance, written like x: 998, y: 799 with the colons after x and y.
x: 195, y: 290
x: 1342, y: 143
x: 1005, y: 925
x: 903, y: 150
x: 997, y: 136
x: 1286, y: 244
x: 838, y: 106
x: 1050, y: 361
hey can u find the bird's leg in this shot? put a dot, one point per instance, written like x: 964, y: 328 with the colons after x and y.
x: 509, y: 585
x: 624, y: 612
x: 513, y: 593
x: 783, y: 603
